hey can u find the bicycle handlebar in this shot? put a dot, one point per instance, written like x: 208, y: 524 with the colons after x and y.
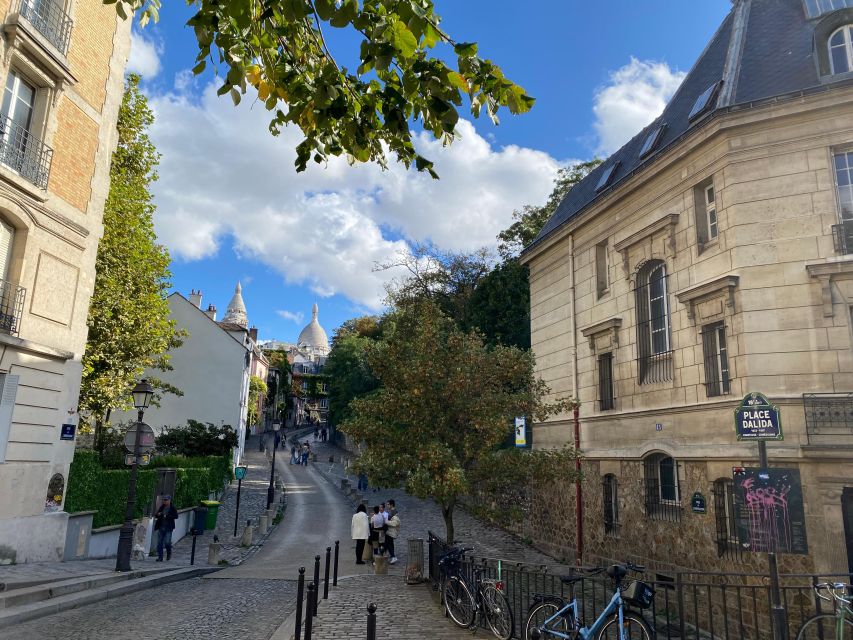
x: 834, y: 589
x: 635, y: 567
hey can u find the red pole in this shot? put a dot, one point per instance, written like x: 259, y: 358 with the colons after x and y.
x: 578, y: 492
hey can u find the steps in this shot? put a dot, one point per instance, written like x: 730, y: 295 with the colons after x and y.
x: 25, y: 601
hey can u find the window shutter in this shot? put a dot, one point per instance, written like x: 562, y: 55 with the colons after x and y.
x: 8, y: 391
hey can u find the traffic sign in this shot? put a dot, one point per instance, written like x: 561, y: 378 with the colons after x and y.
x: 143, y: 459
x: 146, y: 438
x: 757, y: 419
x: 240, y: 472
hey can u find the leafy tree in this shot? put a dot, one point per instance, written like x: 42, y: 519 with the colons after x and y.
x: 446, y: 400
x: 129, y: 325
x: 530, y: 220
x: 281, y: 50
x: 349, y: 373
x: 196, y: 439
x: 257, y: 390
x: 500, y: 306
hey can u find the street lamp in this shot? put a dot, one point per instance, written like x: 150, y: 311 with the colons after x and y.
x: 271, y: 489
x: 142, y: 394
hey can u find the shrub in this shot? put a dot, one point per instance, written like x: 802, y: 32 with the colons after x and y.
x: 197, y: 439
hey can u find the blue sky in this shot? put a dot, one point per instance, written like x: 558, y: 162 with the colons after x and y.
x: 231, y: 206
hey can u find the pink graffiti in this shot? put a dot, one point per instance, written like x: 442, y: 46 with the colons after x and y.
x: 768, y: 509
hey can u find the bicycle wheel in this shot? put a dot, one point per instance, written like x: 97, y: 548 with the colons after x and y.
x: 459, y: 602
x: 633, y: 628
x: 498, y: 612
x: 536, y: 618
x: 825, y: 627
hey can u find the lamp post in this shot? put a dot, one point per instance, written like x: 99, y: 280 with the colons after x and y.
x: 271, y: 489
x: 142, y: 394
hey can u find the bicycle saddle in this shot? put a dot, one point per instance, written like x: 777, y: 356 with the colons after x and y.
x: 617, y: 571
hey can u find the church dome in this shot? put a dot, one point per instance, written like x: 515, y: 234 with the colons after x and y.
x: 313, y: 335
x: 236, y: 311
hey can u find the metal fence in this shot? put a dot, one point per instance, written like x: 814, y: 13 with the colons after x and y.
x: 24, y: 153
x: 11, y: 307
x: 48, y: 17
x: 687, y: 605
x: 828, y: 414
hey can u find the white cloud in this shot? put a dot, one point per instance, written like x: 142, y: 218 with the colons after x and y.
x: 296, y: 317
x: 144, y: 56
x: 223, y: 174
x: 635, y: 95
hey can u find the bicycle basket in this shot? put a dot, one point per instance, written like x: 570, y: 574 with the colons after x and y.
x: 638, y: 594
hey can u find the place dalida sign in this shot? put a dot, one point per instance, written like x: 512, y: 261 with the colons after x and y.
x: 756, y: 419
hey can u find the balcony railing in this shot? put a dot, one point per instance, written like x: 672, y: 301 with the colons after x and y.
x: 828, y: 414
x: 48, y: 17
x: 11, y: 307
x: 24, y: 153
x: 842, y: 237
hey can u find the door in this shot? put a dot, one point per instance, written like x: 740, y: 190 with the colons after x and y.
x: 847, y: 511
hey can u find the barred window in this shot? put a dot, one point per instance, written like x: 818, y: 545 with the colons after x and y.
x: 716, y: 359
x: 654, y: 349
x: 728, y: 540
x: 611, y: 505
x: 605, y: 382
x: 663, y: 496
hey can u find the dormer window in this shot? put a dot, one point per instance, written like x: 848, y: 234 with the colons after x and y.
x: 841, y: 50
x: 705, y: 102
x: 652, y: 141
x: 606, y: 176
x: 816, y: 8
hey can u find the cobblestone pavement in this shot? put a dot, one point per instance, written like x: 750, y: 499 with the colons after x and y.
x: 195, y: 609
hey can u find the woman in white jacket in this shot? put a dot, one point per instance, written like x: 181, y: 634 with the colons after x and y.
x: 360, y: 531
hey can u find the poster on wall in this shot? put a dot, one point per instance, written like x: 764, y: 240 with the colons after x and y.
x: 521, y: 432
x: 769, y: 506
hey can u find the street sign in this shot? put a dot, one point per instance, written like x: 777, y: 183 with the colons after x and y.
x: 521, y: 432
x: 67, y: 432
x: 756, y: 419
x: 698, y: 504
x: 143, y: 459
x: 240, y: 472
x: 146, y: 437
x: 769, y: 507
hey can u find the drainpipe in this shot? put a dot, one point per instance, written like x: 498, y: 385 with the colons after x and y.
x: 576, y: 410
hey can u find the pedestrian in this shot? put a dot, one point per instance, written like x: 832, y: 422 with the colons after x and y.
x: 324, y: 435
x: 164, y: 524
x: 316, y: 433
x: 294, y: 457
x: 360, y: 531
x: 277, y: 439
x: 362, y: 481
x: 377, y: 534
x: 306, y: 449
x: 393, y: 523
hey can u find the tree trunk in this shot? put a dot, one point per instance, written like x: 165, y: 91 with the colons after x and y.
x: 447, y: 512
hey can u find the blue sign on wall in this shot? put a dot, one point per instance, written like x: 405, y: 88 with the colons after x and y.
x: 67, y: 432
x: 757, y: 419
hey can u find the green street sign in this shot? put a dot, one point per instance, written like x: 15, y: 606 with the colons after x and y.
x: 756, y: 419
x: 240, y: 472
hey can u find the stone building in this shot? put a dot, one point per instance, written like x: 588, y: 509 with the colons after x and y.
x: 62, y: 68
x: 710, y: 257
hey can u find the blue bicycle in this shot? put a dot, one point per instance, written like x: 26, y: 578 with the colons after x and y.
x: 554, y: 617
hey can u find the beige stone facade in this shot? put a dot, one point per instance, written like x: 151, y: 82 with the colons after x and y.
x: 62, y: 65
x: 772, y: 278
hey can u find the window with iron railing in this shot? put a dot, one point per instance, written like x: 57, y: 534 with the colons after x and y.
x: 50, y: 20
x: 715, y: 349
x: 725, y: 516
x: 663, y: 495
x: 654, y: 349
x: 828, y: 414
x: 842, y: 233
x: 611, y: 505
x: 20, y: 149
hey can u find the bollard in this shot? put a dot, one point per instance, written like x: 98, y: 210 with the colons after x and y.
x: 316, y: 583
x: 192, y: 553
x: 309, y: 620
x: 371, y: 621
x: 263, y: 524
x: 300, y: 590
x: 213, y: 550
x: 326, y: 573
x: 246, y: 540
x: 335, y: 574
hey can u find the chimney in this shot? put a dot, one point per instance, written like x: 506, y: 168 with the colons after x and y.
x: 211, y: 312
x: 253, y: 334
x: 195, y: 298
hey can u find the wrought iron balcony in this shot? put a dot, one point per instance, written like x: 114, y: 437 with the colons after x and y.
x: 842, y: 237
x: 24, y: 153
x: 828, y: 414
x: 11, y: 306
x: 48, y: 17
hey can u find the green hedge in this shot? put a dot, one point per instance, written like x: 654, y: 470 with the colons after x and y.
x: 91, y: 487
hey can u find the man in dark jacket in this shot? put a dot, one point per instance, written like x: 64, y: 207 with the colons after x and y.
x: 164, y: 524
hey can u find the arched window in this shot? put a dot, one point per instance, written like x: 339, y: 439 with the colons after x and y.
x: 841, y: 50
x: 654, y: 350
x: 663, y: 496
x: 728, y: 536
x: 611, y: 505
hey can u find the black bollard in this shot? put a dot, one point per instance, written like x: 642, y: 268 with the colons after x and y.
x: 326, y: 574
x: 300, y: 590
x: 192, y: 553
x: 316, y: 584
x: 371, y: 621
x: 309, y: 620
x: 335, y: 573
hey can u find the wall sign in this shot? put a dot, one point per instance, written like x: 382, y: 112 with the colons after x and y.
x: 521, y: 432
x: 769, y: 506
x: 698, y: 503
x: 67, y: 432
x: 756, y: 419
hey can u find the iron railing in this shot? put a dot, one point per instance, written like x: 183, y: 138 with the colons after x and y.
x: 11, y: 307
x: 24, y: 153
x: 686, y: 606
x: 654, y: 335
x: 828, y: 414
x: 842, y: 237
x: 50, y: 20
x: 662, y: 488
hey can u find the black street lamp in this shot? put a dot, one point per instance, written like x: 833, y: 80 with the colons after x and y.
x: 142, y: 394
x: 271, y: 489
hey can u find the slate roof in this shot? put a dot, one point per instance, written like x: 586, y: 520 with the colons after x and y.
x: 769, y: 46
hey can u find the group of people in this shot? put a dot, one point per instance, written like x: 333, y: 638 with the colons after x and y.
x: 381, y: 529
x: 299, y: 454
x: 321, y: 434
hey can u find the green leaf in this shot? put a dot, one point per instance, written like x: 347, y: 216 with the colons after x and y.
x: 431, y: 36
x: 325, y: 8
x: 404, y: 40
x: 458, y: 81
x: 235, y: 96
x: 199, y: 68
x: 466, y: 49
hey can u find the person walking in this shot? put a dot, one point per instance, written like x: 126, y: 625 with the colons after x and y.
x: 164, y: 525
x: 360, y: 531
x: 306, y: 449
x: 377, y: 533
x: 362, y: 481
x: 393, y: 524
x: 294, y: 457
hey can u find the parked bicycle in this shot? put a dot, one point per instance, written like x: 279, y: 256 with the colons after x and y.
x: 552, y: 616
x: 465, y: 602
x: 831, y: 626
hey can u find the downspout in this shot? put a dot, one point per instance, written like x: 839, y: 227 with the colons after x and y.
x: 576, y: 410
